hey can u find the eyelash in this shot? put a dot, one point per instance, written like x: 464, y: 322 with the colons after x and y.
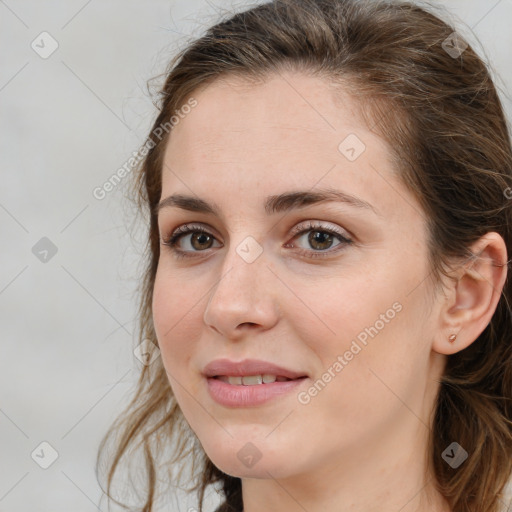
x: 172, y: 240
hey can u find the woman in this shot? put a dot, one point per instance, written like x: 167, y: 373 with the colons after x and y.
x: 328, y: 188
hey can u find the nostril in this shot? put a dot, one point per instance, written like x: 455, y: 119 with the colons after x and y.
x: 249, y: 324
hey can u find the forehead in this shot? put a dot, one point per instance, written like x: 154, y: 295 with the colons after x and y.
x: 288, y: 131
x: 276, y: 111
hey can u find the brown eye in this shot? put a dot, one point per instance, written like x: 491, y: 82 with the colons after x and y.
x: 195, y: 240
x: 320, y: 240
x: 200, y: 240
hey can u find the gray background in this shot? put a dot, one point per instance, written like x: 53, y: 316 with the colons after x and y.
x: 68, y: 122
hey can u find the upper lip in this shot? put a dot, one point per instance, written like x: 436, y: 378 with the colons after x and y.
x: 248, y: 367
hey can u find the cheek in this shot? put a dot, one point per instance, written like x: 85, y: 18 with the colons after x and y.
x: 177, y: 322
x: 372, y: 321
x: 343, y: 309
x: 176, y: 318
x: 368, y: 361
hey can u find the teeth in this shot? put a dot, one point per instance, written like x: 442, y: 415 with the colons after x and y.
x: 251, y: 380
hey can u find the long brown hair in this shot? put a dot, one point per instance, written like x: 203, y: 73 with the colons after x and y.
x: 445, y: 125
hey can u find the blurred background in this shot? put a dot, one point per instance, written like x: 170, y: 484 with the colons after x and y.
x: 74, y: 107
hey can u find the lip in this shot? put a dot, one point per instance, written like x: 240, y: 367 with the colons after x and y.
x: 248, y: 367
x: 230, y: 395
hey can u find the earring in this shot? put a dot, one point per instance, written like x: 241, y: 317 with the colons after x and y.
x: 452, y: 337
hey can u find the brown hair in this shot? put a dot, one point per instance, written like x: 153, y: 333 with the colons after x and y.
x: 447, y: 131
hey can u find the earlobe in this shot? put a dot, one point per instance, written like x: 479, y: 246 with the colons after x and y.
x: 473, y: 296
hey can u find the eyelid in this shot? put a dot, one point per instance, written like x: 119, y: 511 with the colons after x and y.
x: 320, y: 225
x: 186, y: 229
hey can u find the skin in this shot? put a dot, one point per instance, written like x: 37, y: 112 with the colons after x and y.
x: 361, y: 441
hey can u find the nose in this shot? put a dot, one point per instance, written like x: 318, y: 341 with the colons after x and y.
x: 244, y: 298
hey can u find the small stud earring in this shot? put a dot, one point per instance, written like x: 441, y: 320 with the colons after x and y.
x: 452, y: 337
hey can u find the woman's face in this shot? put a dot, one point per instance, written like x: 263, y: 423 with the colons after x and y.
x: 335, y: 293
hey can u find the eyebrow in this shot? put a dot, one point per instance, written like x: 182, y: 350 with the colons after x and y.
x: 273, y: 204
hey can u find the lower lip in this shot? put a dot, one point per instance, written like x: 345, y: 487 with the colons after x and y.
x: 246, y: 396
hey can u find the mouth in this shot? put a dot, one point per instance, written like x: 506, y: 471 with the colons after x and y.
x: 253, y: 380
x: 250, y: 382
x: 251, y: 371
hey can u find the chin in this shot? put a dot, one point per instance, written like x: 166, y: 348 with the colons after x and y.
x: 243, y: 458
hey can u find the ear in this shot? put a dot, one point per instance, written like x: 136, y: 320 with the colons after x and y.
x: 471, y: 298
